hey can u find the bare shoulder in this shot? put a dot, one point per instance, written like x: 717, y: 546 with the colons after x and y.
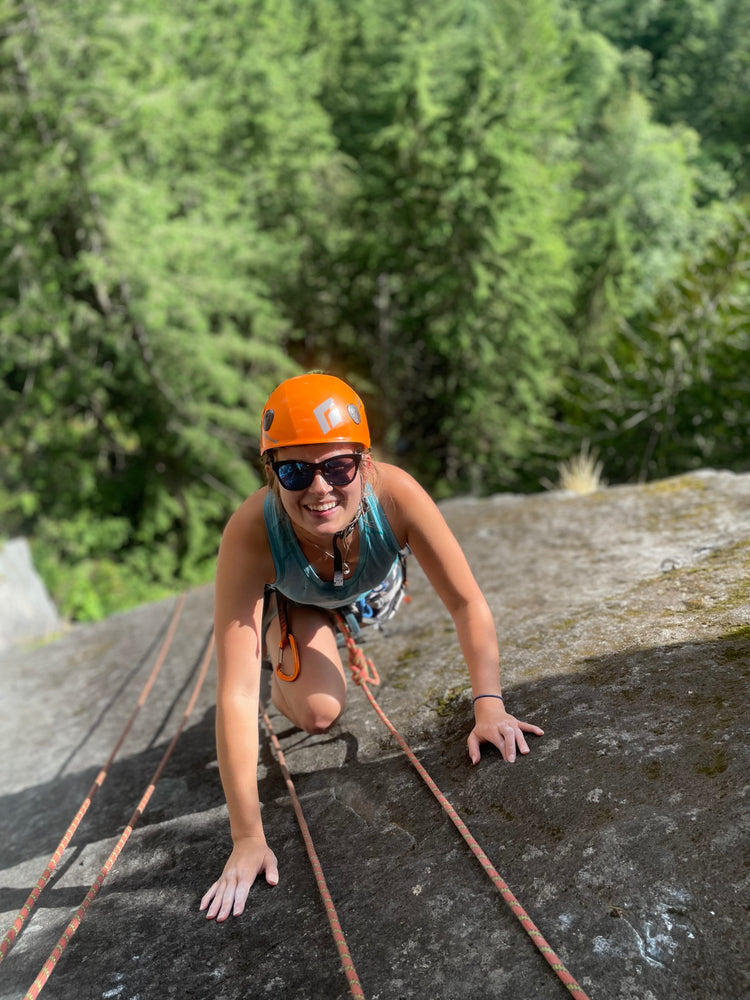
x: 243, y: 568
x: 403, y: 500
x: 393, y: 484
x: 250, y: 512
x: 417, y: 521
x: 244, y: 542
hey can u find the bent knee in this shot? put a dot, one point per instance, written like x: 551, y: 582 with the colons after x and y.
x: 319, y: 714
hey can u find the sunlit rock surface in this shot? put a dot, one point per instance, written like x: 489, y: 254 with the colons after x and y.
x: 625, y: 633
x: 26, y: 610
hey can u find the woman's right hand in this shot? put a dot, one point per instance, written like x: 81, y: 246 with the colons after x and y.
x: 228, y: 895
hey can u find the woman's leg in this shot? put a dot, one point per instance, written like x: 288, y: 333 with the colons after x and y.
x: 317, y: 697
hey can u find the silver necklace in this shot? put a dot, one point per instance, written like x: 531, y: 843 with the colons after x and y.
x: 341, y: 567
x: 346, y: 568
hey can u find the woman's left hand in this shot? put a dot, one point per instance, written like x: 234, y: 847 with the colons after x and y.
x: 502, y: 730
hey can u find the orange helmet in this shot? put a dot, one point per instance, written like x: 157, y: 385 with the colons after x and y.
x: 313, y: 409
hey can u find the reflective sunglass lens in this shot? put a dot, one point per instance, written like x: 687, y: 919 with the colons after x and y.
x: 294, y: 475
x: 340, y: 471
x: 298, y: 475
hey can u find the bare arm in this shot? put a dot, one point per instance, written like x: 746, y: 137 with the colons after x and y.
x: 244, y: 565
x: 417, y: 521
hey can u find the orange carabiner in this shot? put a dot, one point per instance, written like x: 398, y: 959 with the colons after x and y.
x: 290, y: 641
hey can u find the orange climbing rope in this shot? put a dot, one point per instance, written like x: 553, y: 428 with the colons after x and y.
x: 17, y: 926
x: 364, y: 674
x: 46, y: 971
x: 338, y: 934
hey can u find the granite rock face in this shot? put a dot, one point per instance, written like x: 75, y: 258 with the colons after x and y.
x: 624, y: 624
x: 26, y: 610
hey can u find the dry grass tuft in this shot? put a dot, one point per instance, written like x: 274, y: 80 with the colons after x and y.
x: 582, y: 474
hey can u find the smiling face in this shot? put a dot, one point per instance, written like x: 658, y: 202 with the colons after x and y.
x: 320, y: 510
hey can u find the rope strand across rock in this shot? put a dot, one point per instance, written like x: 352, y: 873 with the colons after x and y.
x: 364, y: 673
x: 24, y: 913
x: 338, y: 935
x: 49, y: 966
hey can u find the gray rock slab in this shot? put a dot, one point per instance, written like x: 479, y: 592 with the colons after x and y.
x: 26, y: 609
x: 624, y: 623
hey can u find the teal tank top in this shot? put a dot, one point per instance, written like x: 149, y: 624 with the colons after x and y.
x: 297, y: 580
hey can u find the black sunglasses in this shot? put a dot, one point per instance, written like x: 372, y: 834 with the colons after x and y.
x: 296, y: 475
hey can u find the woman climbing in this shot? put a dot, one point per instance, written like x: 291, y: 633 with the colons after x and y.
x: 331, y: 530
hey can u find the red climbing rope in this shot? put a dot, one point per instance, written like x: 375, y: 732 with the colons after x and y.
x: 15, y: 929
x: 338, y: 934
x: 363, y: 672
x: 56, y: 953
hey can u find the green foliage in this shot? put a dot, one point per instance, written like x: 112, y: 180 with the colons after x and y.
x: 505, y: 220
x: 454, y: 119
x: 699, y: 68
x: 139, y: 334
x: 673, y: 393
x: 641, y: 208
x: 91, y: 589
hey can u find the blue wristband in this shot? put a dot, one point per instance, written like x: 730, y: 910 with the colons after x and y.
x: 488, y: 696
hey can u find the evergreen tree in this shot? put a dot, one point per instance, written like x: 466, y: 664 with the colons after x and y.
x: 698, y: 71
x: 454, y: 284
x: 673, y: 393
x: 140, y: 334
x: 640, y: 209
x: 479, y: 211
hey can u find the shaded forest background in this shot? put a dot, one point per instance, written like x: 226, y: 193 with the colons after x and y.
x: 515, y: 225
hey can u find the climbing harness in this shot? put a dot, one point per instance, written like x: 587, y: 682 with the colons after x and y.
x: 374, y: 608
x: 46, y: 971
x: 379, y: 605
x: 17, y: 926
